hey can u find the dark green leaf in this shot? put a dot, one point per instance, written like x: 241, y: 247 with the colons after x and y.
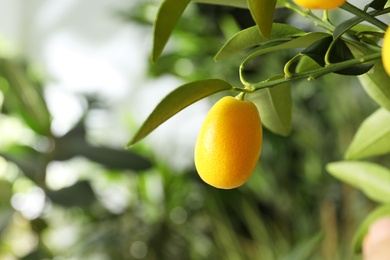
x: 29, y: 161
x: 318, y: 49
x: 25, y: 98
x: 339, y: 52
x: 168, y: 15
x: 176, y: 101
x: 377, y: 4
x: 371, y: 178
x: 75, y: 144
x: 376, y: 83
x: 251, y: 37
x: 372, y: 137
x: 379, y: 212
x: 78, y: 195
x: 263, y: 13
x: 274, y: 105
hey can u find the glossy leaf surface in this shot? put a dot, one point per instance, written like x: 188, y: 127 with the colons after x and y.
x: 372, y: 179
x: 372, y: 137
x: 168, y: 15
x: 251, y: 37
x: 376, y: 83
x: 300, y: 42
x: 263, y: 13
x: 274, y: 105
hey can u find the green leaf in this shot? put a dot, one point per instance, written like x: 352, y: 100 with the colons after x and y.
x: 300, y: 42
x: 78, y: 195
x: 379, y: 212
x: 251, y: 37
x: 339, y: 52
x: 376, y: 83
x: 281, y: 3
x: 30, y: 161
x: 274, y: 105
x: 348, y: 24
x: 168, y: 15
x: 372, y: 137
x: 306, y: 64
x: 176, y: 101
x: 75, y: 144
x: 25, y: 98
x: 371, y: 178
x: 263, y: 13
x: 377, y: 4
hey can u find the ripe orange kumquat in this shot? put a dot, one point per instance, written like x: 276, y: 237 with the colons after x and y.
x: 320, y: 4
x: 386, y: 51
x: 229, y: 143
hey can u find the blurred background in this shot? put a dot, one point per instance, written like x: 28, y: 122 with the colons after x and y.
x: 75, y: 85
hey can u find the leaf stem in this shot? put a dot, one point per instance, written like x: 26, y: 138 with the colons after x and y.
x: 314, y: 74
x: 286, y: 68
x: 363, y: 15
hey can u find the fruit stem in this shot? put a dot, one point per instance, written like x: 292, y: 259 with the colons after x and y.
x: 240, y: 96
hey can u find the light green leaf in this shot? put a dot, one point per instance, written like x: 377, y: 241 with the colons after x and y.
x: 281, y: 3
x: 263, y: 13
x: 379, y: 212
x: 300, y: 42
x: 168, y: 15
x: 372, y: 137
x: 24, y: 97
x: 376, y: 83
x: 306, y: 64
x: 372, y: 179
x: 251, y: 37
x: 176, y: 101
x: 274, y: 105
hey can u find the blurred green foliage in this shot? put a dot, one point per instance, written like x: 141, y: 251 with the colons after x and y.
x: 124, y: 205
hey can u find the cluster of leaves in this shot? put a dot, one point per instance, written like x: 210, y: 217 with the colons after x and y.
x: 350, y: 48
